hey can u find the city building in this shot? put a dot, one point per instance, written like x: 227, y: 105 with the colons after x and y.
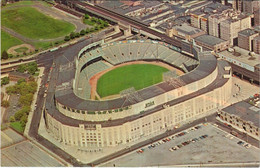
x: 230, y: 27
x: 257, y: 17
x: 238, y: 5
x: 199, y: 17
x: 245, y: 39
x: 249, y: 6
x: 184, y: 31
x: 212, y: 43
x: 243, y: 117
x: 15, y: 76
x: 244, y: 64
x: 256, y: 44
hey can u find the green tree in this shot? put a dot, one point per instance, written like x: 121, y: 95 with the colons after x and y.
x: 105, y: 23
x: 87, y: 30
x: 72, y: 35
x: 12, y: 119
x: 26, y: 100
x: 97, y: 28
x: 4, y: 55
x: 4, y: 81
x: 21, y: 68
x: 23, y: 120
x: 12, y: 90
x: 18, y: 115
x: 67, y: 38
x: 21, y: 81
x: 86, y: 16
x: 77, y: 35
x: 5, y: 103
x: 82, y: 32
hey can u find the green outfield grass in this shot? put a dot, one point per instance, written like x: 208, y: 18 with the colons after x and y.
x: 33, y: 24
x: 8, y: 41
x: 138, y: 76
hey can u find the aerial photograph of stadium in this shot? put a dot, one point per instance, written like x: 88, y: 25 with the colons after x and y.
x: 130, y: 83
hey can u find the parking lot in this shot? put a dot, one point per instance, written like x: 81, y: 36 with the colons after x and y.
x: 26, y: 154
x: 204, y: 145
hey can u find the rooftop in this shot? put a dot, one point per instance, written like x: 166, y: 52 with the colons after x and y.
x: 124, y: 7
x: 19, y: 74
x: 208, y: 39
x: 212, y: 8
x: 187, y: 29
x: 247, y: 32
x: 244, y: 57
x: 245, y: 111
x: 257, y: 38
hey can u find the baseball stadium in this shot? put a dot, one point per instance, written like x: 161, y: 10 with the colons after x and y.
x: 108, y: 94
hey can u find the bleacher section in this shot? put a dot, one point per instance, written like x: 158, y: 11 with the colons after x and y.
x: 122, y: 52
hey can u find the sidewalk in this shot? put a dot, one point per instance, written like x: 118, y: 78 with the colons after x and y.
x: 27, y: 127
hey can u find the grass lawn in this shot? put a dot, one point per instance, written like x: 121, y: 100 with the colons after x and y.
x: 33, y: 24
x: 8, y: 41
x: 21, y: 49
x: 17, y: 126
x: 138, y: 76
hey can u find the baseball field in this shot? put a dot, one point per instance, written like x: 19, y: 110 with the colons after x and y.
x: 138, y: 76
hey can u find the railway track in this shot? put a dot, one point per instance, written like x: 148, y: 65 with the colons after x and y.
x: 132, y: 22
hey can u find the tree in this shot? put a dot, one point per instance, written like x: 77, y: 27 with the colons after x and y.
x: 105, y: 23
x: 72, y: 35
x: 12, y: 90
x: 21, y: 68
x: 87, y: 30
x: 82, y: 32
x: 77, y: 35
x: 18, y: 115
x: 4, y: 55
x: 4, y: 81
x: 5, y: 103
x: 86, y: 16
x: 97, y: 28
x: 23, y: 120
x: 21, y: 81
x: 67, y: 38
x: 26, y: 100
x: 12, y: 119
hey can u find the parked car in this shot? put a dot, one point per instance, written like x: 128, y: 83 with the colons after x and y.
x: 240, y: 143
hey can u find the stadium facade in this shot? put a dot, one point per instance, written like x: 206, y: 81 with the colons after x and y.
x: 74, y: 119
